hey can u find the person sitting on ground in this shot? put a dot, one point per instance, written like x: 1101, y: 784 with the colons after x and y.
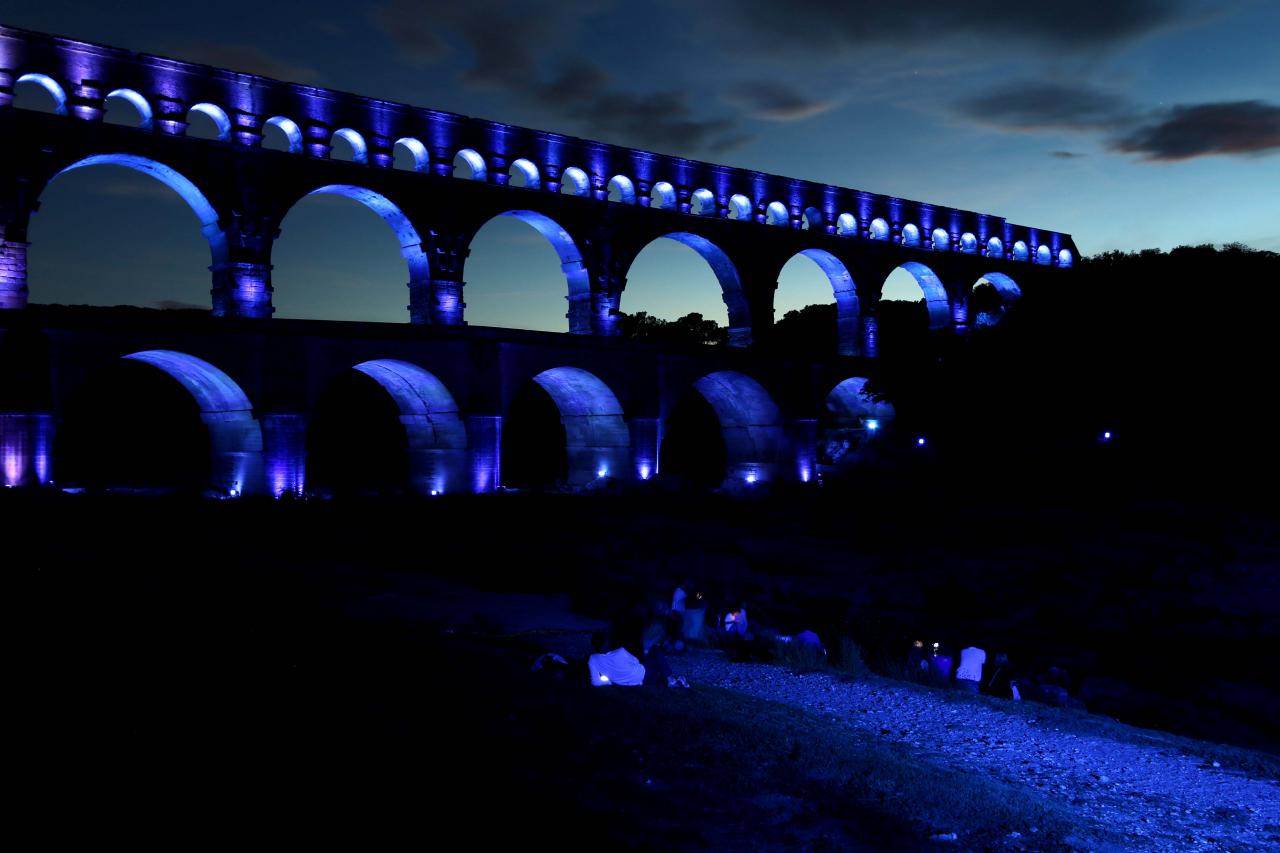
x: 969, y: 673
x: 616, y: 667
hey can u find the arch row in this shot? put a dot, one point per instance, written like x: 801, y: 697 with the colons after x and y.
x: 532, y: 171
x: 445, y: 449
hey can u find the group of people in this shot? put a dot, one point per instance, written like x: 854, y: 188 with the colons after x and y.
x: 936, y: 663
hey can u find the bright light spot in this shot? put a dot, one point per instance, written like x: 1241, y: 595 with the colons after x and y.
x: 873, y: 424
x: 1106, y: 436
x: 751, y: 478
x: 602, y: 473
x: 644, y: 472
x: 804, y: 475
x: 435, y: 493
x: 920, y: 441
x: 604, y: 678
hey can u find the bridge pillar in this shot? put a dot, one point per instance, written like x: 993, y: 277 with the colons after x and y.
x: 85, y: 101
x: 484, y: 437
x: 13, y: 273
x: 870, y: 336
x: 246, y: 128
x: 684, y: 199
x: 315, y: 140
x: 26, y: 444
x: 284, y: 449
x: 803, y: 434
x: 241, y: 289
x: 381, y: 152
x: 645, y: 438
x: 6, y: 87
x: 436, y: 302
x: 170, y: 115
x: 643, y: 190
x: 499, y: 169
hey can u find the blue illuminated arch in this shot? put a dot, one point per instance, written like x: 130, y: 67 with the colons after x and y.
x: 51, y: 86
x: 575, y: 272
x: 812, y: 219
x: 235, y: 436
x: 418, y: 151
x: 574, y: 181
x: 848, y: 315
x: 527, y: 172
x: 879, y: 229
x: 777, y: 214
x: 846, y: 225
x: 219, y: 117
x: 755, y: 440
x: 1020, y: 251
x: 726, y: 274
x: 177, y: 182
x: 910, y: 235
x: 935, y: 295
x: 703, y: 203
x: 596, y: 436
x: 622, y: 190
x: 139, y: 104
x: 663, y: 196
x: 941, y: 240
x: 473, y: 161
x: 1009, y: 293
x: 410, y: 241
x: 1043, y: 255
x: 292, y: 133
x: 995, y: 248
x: 1064, y: 258
x: 851, y: 406
x: 968, y: 243
x: 434, y: 431
x: 359, y: 150
x: 740, y: 207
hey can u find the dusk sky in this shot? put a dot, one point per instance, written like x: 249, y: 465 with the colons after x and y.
x: 1128, y: 124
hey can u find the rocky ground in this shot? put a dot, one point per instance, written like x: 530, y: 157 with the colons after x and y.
x: 1154, y: 794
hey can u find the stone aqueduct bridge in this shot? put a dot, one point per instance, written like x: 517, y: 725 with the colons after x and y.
x: 598, y: 205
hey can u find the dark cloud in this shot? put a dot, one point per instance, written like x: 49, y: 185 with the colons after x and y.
x: 1200, y: 130
x: 1047, y: 106
x: 1066, y: 155
x: 585, y: 93
x: 774, y: 101
x: 509, y: 49
x: 241, y: 57
x: 815, y: 26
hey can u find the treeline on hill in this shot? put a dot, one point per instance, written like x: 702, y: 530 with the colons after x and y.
x: 1172, y: 352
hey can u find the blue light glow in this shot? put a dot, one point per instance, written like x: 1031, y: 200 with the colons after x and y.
x: 846, y: 225
x: 968, y: 243
x: 139, y: 104
x: 50, y: 85
x: 622, y: 190
x: 292, y: 133
x: 995, y: 248
x: 644, y: 472
x: 941, y: 240
x: 1020, y: 251
x: 421, y: 157
x: 703, y: 203
x: 473, y: 167
x: 879, y: 229
x: 663, y: 196
x: 873, y: 424
x: 920, y: 442
x: 776, y: 214
x: 524, y: 175
x: 219, y: 117
x: 1043, y: 255
x: 740, y: 208
x: 1064, y: 258
x: 751, y: 477
x: 574, y: 181
x: 910, y: 235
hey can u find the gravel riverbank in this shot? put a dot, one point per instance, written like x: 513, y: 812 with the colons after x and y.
x: 1157, y: 796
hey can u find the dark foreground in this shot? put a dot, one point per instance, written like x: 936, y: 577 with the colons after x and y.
x: 233, y: 664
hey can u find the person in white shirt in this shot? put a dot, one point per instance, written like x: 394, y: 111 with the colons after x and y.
x: 969, y: 673
x: 618, y: 667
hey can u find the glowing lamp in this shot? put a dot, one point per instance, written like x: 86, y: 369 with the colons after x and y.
x: 873, y: 424
x: 602, y: 473
x: 604, y: 678
x: 435, y: 493
x: 644, y: 472
x: 751, y: 478
x: 1106, y: 436
x: 920, y: 441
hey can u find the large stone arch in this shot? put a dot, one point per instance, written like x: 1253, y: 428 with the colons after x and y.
x: 406, y: 232
x: 577, y: 278
x: 434, y: 431
x: 1008, y: 291
x: 935, y: 293
x: 754, y: 434
x: 596, y: 436
x: 848, y: 312
x: 726, y: 272
x: 15, y: 295
x: 235, y: 436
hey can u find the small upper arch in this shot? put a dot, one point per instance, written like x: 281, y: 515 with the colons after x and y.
x: 469, y: 165
x: 137, y: 104
x: 941, y: 240
x: 622, y: 190
x: 739, y: 207
x: 418, y: 159
x: 812, y: 220
x: 359, y: 150
x: 968, y: 243
x: 995, y: 248
x: 910, y: 234
x: 574, y: 181
x: 523, y: 174
x: 846, y: 225
x: 288, y: 135
x: 703, y: 203
x: 1064, y: 257
x: 1044, y: 256
x: 1020, y: 251
x: 663, y: 196
x: 46, y: 83
x: 777, y: 214
x: 221, y: 130
x: 879, y: 229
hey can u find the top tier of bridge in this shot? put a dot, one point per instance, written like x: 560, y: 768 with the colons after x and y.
x: 82, y: 74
